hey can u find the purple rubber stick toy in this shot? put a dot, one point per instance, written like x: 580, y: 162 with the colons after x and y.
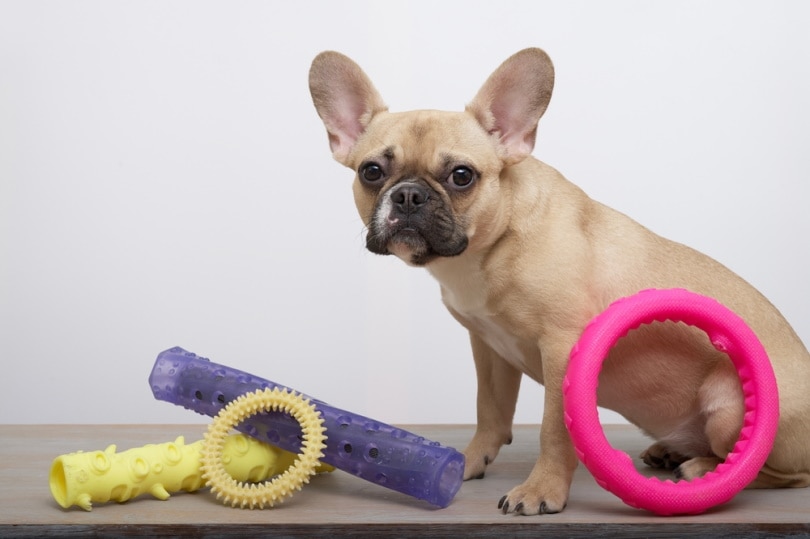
x: 385, y: 455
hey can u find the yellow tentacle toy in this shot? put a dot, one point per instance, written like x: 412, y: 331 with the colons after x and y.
x: 234, y: 465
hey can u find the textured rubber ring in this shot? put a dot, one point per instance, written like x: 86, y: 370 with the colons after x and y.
x: 614, y: 469
x: 267, y: 494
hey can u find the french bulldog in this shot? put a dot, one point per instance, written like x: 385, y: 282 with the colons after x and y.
x: 525, y: 259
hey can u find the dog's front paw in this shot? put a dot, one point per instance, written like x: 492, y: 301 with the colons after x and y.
x: 476, y: 460
x: 481, y: 451
x: 535, y: 499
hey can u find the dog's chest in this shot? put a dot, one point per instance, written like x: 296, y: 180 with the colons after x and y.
x: 466, y: 294
x: 500, y: 340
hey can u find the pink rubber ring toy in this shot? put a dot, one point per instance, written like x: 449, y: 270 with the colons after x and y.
x: 614, y: 469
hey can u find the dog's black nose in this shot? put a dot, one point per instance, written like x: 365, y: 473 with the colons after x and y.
x: 409, y: 197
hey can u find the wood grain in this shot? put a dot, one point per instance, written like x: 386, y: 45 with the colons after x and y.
x: 340, y: 505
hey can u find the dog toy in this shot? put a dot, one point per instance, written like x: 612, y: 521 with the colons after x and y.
x: 385, y: 455
x: 255, y: 495
x: 613, y: 469
x: 81, y: 478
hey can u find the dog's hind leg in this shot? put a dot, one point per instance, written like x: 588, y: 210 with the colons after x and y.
x: 722, y: 405
x: 788, y: 465
x: 770, y: 478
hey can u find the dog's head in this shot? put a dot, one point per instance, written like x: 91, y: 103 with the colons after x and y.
x: 430, y: 183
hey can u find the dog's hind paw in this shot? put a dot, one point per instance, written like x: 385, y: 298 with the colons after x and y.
x: 660, y: 457
x: 696, y: 467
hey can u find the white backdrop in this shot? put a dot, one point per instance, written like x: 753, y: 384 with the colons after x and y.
x: 165, y: 180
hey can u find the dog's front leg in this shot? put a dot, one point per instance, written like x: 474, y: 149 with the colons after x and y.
x: 546, y: 489
x: 498, y: 386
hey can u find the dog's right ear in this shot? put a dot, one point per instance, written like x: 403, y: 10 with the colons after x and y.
x: 344, y: 98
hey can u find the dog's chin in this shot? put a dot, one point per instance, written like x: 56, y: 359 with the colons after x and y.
x: 411, y: 247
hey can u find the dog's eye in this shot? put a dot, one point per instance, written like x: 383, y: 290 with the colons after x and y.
x: 372, y: 172
x: 461, y: 177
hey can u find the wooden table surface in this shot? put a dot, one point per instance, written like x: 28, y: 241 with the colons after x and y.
x: 341, y: 505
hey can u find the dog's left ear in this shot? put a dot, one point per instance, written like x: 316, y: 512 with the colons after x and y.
x: 345, y: 99
x: 513, y: 99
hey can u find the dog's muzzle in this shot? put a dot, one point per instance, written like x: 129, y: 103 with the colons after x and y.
x: 413, y: 218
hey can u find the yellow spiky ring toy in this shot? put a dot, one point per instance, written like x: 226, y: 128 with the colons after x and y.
x: 267, y: 494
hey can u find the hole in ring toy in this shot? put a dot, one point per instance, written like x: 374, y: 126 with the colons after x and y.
x: 614, y: 469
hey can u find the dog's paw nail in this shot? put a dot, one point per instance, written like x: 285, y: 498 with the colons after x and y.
x: 486, y: 460
x: 500, y: 503
x: 519, y: 508
x: 479, y: 476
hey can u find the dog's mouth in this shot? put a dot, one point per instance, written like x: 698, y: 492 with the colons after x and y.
x: 411, y: 245
x: 408, y: 244
x: 417, y: 228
